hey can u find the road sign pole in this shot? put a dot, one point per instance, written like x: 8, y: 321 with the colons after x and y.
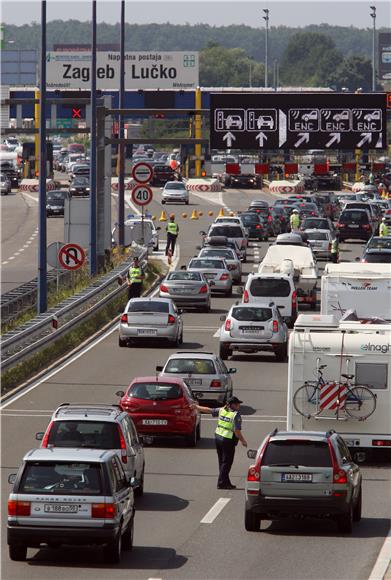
x: 121, y: 146
x: 93, y: 255
x: 42, y: 265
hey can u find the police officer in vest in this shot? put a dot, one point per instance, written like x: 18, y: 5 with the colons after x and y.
x: 172, y: 229
x: 294, y: 220
x: 228, y: 433
x: 334, y: 250
x: 383, y: 228
x: 135, y: 279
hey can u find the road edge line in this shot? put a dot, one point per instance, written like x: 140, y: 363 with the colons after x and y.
x: 383, y: 560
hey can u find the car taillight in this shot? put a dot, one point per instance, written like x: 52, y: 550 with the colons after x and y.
x: 366, y: 227
x: 105, y: 511
x: 269, y: 218
x: 122, y: 444
x: 171, y: 319
x: 381, y: 442
x: 258, y: 227
x: 124, y: 318
x: 339, y: 225
x: 243, y: 244
x: 294, y: 299
x: 46, y: 436
x: 215, y: 384
x: 224, y: 276
x: 245, y: 296
x: 227, y: 324
x: 253, y: 473
x: 163, y: 288
x: 203, y: 289
x: 275, y: 325
x: 329, y: 247
x: 18, y: 508
x: 339, y: 476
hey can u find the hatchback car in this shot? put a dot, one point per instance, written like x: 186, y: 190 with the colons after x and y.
x: 70, y: 496
x: 253, y: 328
x: 216, y: 270
x: 375, y: 218
x: 299, y: 474
x: 187, y: 289
x: 255, y: 225
x: 270, y: 287
x: 320, y: 242
x: 55, y: 203
x: 354, y: 224
x: 175, y: 192
x: 146, y: 318
x: 162, y: 406
x: 97, y: 427
x: 204, y: 372
x: 230, y: 257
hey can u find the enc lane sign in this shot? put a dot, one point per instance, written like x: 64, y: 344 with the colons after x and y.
x: 71, y: 256
x: 298, y: 121
x: 142, y: 172
x: 142, y: 195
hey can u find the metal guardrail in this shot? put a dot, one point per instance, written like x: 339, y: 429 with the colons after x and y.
x: 33, y: 335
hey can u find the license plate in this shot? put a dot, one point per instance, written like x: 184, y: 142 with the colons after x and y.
x: 210, y: 276
x: 251, y: 329
x: 353, y: 226
x: 154, y: 421
x: 317, y: 244
x: 194, y: 382
x: 147, y: 331
x: 60, y: 508
x: 294, y: 477
x: 183, y: 291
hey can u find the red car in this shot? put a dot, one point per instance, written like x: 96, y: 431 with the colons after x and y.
x: 162, y: 406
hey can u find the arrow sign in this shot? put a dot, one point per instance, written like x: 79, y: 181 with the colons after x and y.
x: 229, y: 138
x: 282, y: 128
x: 261, y: 137
x: 304, y: 138
x: 379, y: 143
x: 366, y: 138
x: 335, y: 138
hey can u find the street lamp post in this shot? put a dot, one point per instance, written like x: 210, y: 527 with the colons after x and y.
x: 250, y: 73
x: 266, y: 19
x: 373, y: 15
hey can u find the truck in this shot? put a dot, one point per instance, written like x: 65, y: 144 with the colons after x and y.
x: 354, y: 346
x: 304, y: 266
x: 364, y: 287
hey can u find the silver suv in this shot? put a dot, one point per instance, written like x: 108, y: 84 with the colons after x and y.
x: 303, y: 474
x: 97, y: 426
x: 204, y: 372
x: 70, y: 496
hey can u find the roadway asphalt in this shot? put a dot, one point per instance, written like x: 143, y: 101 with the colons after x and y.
x: 180, y: 484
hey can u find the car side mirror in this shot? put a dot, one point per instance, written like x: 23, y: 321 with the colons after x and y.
x: 202, y: 233
x: 39, y: 435
x: 251, y: 453
x: 232, y: 371
x: 133, y: 482
x: 357, y: 259
x: 180, y: 311
x: 158, y: 228
x: 222, y: 317
x: 159, y: 369
x: 239, y: 290
x: 120, y: 394
x: 12, y: 478
x: 212, y: 283
x: 183, y: 267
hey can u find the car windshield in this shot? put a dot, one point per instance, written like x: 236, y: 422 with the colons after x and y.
x: 62, y: 478
x: 175, y: 185
x: 378, y: 257
x: 255, y: 314
x: 148, y: 306
x: 155, y: 391
x: 207, y: 264
x: 227, y: 254
x: 317, y: 235
x: 270, y: 287
x: 227, y: 231
x: 194, y: 366
x: 184, y: 275
x: 288, y: 452
x: 80, y: 181
x: 354, y: 216
x: 91, y: 434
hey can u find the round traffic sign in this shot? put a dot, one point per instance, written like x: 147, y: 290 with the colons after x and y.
x: 71, y: 256
x: 142, y: 172
x: 142, y: 195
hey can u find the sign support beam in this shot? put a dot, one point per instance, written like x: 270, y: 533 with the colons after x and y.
x: 42, y: 264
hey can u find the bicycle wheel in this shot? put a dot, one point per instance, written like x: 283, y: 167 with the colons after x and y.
x: 306, y: 400
x: 360, y: 402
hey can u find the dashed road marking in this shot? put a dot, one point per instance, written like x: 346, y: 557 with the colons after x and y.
x: 215, y: 510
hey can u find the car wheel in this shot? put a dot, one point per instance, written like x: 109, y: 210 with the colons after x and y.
x: 358, y: 507
x: 186, y: 203
x: 121, y: 342
x: 139, y: 491
x: 17, y: 553
x: 345, y: 522
x: 163, y: 202
x: 244, y: 259
x: 191, y: 440
x: 252, y: 522
x: 224, y: 352
x: 127, y: 538
x: 281, y: 352
x: 198, y: 431
x: 112, y: 552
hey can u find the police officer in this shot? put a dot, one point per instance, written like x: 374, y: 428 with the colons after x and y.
x: 294, y: 220
x: 135, y: 279
x: 228, y: 433
x: 172, y: 229
x: 334, y: 250
x: 383, y: 228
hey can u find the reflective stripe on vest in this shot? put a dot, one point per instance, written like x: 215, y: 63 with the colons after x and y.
x: 226, y: 423
x: 172, y: 228
x: 334, y: 246
x: 135, y: 275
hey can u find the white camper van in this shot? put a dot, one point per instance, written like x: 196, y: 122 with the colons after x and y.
x: 336, y: 347
x: 364, y: 287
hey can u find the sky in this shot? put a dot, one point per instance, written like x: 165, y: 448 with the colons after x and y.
x: 218, y: 13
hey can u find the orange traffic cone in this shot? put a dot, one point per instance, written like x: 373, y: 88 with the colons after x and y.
x: 194, y: 215
x: 163, y: 216
x: 221, y: 213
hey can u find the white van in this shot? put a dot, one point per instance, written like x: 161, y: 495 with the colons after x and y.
x: 347, y: 346
x: 277, y: 288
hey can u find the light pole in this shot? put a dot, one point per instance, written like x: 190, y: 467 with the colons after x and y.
x: 250, y: 72
x: 373, y: 15
x: 266, y: 19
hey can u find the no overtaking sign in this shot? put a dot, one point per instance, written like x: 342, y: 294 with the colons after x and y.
x: 142, y: 172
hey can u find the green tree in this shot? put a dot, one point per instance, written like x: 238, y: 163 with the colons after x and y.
x: 353, y: 72
x: 228, y: 67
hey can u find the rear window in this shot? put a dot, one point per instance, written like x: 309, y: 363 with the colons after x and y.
x: 207, y: 264
x: 317, y: 235
x: 378, y: 257
x: 269, y: 287
x: 251, y: 218
x: 354, y: 216
x: 228, y: 220
x: 251, y: 314
x: 227, y: 254
x: 228, y: 231
x: 379, y: 243
x: 196, y: 366
x: 90, y: 434
x: 191, y: 276
x: 141, y: 306
x: 307, y: 453
x: 316, y: 224
x: 175, y: 185
x: 155, y: 391
x: 62, y: 478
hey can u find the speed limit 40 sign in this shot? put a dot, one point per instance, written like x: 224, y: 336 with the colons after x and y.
x: 142, y: 195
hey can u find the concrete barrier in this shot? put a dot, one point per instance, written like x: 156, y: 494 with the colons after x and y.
x: 203, y: 184
x: 285, y: 186
x: 32, y: 185
x: 129, y: 184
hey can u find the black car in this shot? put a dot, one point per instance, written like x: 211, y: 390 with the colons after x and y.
x: 273, y: 227
x: 243, y: 181
x: 255, y: 225
x: 162, y: 174
x: 327, y: 182
x: 55, y: 202
x: 354, y: 224
x: 9, y: 169
x: 278, y: 213
x: 79, y: 186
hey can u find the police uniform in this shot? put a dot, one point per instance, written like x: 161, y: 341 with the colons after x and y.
x: 172, y: 234
x: 383, y: 230
x: 334, y: 250
x: 228, y: 422
x: 135, y: 277
x: 294, y: 221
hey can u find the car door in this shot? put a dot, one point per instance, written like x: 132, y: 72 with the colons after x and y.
x: 353, y: 468
x: 137, y: 447
x: 122, y: 491
x: 224, y: 374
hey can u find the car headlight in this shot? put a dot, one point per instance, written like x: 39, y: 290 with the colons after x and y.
x: 87, y: 189
x: 72, y: 189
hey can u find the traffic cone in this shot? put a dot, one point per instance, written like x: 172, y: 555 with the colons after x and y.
x: 163, y: 216
x: 194, y: 215
x: 221, y: 213
x: 210, y: 213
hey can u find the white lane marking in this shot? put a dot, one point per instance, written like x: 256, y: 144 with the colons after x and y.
x: 217, y: 333
x: 17, y: 253
x: 11, y: 258
x: 383, y: 560
x: 214, y: 511
x: 30, y: 197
